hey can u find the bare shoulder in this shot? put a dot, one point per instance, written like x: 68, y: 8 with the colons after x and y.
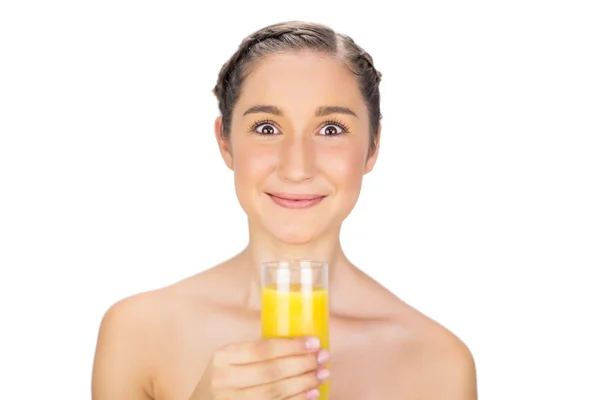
x: 445, y: 364
x: 131, y: 335
x: 442, y: 363
x: 122, y: 365
x: 438, y: 362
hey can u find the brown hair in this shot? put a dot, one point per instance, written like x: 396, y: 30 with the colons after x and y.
x: 296, y: 36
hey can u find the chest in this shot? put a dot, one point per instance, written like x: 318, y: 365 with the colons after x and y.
x: 361, y: 368
x: 371, y: 372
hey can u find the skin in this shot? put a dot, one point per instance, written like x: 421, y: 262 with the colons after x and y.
x: 162, y: 344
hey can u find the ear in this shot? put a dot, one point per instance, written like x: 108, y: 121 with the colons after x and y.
x: 224, y: 144
x: 374, y: 153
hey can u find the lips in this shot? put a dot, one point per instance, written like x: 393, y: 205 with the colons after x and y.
x: 296, y: 201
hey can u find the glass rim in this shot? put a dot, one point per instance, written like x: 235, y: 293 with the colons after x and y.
x: 294, y: 264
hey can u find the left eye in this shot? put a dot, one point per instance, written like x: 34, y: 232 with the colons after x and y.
x: 331, y: 130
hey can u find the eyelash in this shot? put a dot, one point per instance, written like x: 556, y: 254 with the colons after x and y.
x: 337, y: 123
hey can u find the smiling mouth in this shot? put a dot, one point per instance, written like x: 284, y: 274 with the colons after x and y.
x: 295, y: 201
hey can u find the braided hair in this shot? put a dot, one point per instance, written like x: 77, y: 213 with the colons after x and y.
x: 297, y: 36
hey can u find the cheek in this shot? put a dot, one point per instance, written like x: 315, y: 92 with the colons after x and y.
x: 251, y: 164
x: 345, y: 168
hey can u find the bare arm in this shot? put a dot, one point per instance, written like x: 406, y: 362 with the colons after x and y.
x: 120, y: 364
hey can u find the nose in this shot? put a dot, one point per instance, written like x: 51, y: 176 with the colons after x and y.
x: 296, y: 159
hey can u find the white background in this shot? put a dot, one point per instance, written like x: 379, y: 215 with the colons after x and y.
x: 482, y: 212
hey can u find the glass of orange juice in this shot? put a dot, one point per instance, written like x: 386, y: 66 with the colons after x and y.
x: 295, y: 302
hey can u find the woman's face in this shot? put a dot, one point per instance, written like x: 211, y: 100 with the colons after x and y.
x: 299, y: 146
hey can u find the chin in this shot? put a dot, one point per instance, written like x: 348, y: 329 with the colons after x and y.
x: 293, y: 235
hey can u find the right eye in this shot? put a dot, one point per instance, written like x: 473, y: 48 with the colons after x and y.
x: 265, y: 129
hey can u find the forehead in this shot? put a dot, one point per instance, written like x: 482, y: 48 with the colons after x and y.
x: 300, y: 82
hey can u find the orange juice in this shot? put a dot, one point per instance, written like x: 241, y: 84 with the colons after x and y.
x: 297, y: 312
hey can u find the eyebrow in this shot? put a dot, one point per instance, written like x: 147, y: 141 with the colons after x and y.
x: 319, y: 112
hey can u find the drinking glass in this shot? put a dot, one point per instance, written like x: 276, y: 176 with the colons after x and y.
x: 295, y: 302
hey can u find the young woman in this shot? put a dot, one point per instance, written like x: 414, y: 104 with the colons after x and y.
x: 299, y: 127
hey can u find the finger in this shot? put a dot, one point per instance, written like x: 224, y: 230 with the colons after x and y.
x: 283, y: 389
x: 312, y: 394
x: 265, y: 349
x: 242, y: 376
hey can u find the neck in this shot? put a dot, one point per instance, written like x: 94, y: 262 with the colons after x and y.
x: 264, y: 247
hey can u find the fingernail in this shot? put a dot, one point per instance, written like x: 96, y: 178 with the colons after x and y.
x: 313, y: 394
x: 313, y: 343
x: 323, y: 374
x: 323, y: 356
